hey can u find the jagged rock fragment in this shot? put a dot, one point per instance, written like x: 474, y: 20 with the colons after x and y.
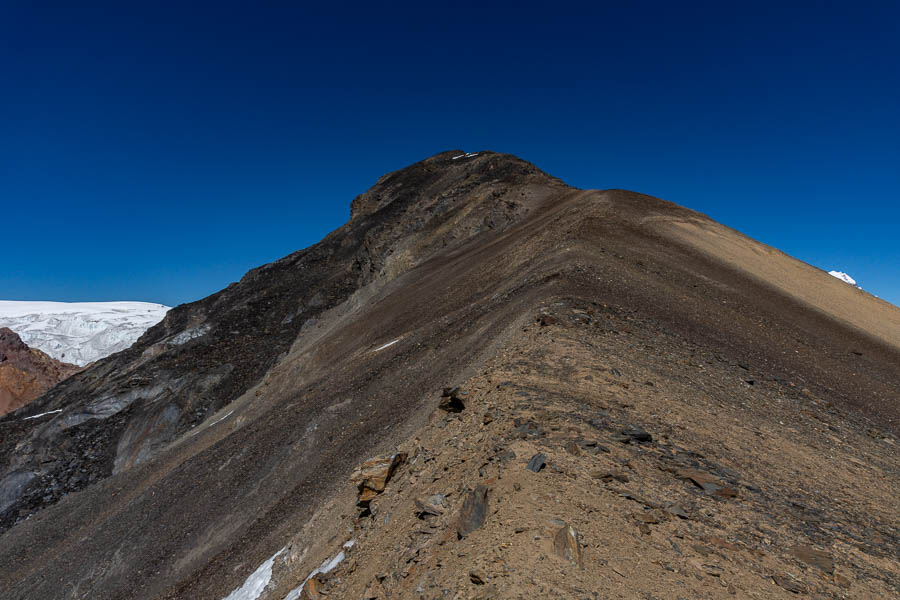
x: 373, y: 475
x: 705, y: 481
x: 566, y: 544
x: 537, y: 462
x: 432, y: 506
x: 451, y: 401
x: 790, y: 584
x: 636, y: 434
x: 473, y: 511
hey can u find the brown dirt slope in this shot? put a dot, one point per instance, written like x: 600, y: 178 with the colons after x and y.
x: 26, y: 373
x: 706, y: 430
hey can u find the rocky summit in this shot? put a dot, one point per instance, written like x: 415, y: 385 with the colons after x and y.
x: 486, y: 384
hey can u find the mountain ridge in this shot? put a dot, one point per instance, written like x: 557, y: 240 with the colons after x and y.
x: 477, y: 271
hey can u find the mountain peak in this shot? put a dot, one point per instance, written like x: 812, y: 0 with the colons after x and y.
x: 447, y: 174
x: 504, y: 366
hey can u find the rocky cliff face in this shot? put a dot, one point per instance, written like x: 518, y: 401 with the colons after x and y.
x: 26, y: 373
x: 649, y: 403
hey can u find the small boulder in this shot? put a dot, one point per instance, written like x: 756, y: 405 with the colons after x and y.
x: 566, y: 544
x: 537, y: 462
x: 373, y: 475
x: 473, y: 511
x: 817, y: 558
x: 432, y: 506
x: 451, y: 401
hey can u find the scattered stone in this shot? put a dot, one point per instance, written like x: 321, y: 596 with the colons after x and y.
x: 373, y: 475
x: 610, y: 475
x: 616, y: 372
x: 678, y: 511
x: 527, y: 429
x: 817, y: 558
x: 651, y: 517
x: 790, y: 584
x: 546, y: 320
x: 537, y: 462
x: 487, y: 419
x: 432, y: 506
x: 705, y: 481
x: 506, y: 456
x: 717, y: 541
x: 637, y: 434
x: 713, y: 570
x: 573, y: 449
x: 842, y: 581
x: 477, y: 577
x: 639, y: 499
x: 566, y: 544
x: 451, y: 401
x: 473, y: 511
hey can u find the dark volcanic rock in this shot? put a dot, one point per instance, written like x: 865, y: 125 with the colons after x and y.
x: 537, y: 462
x: 473, y: 511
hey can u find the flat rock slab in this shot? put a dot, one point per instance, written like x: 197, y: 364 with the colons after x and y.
x: 817, y: 558
x: 473, y: 511
x: 705, y: 481
x: 537, y: 462
x: 790, y: 584
x: 566, y: 544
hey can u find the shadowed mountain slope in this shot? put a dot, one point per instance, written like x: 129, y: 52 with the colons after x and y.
x: 228, y: 432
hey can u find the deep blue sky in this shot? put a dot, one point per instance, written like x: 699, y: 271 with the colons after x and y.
x: 157, y: 151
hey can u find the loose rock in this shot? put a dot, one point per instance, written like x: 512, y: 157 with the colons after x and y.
x: 790, y: 584
x: 537, y: 462
x: 566, y: 544
x: 817, y: 558
x: 373, y: 475
x: 451, y: 401
x: 473, y: 511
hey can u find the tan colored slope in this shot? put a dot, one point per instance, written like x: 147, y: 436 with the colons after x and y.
x: 791, y: 276
x: 805, y: 501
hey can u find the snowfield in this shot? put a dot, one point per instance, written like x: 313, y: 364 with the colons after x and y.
x: 843, y: 277
x: 80, y: 332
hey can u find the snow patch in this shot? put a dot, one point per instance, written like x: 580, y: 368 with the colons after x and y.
x: 256, y: 584
x: 843, y: 277
x: 327, y: 566
x: 190, y: 334
x: 466, y: 155
x: 52, y: 412
x: 222, y: 418
x: 80, y: 332
x: 389, y: 344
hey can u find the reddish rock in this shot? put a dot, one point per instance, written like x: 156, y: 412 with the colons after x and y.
x: 26, y: 373
x: 373, y: 475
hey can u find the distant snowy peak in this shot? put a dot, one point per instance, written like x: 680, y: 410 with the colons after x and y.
x: 843, y: 277
x: 80, y: 332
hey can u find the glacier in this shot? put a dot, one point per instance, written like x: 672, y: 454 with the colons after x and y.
x: 80, y: 332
